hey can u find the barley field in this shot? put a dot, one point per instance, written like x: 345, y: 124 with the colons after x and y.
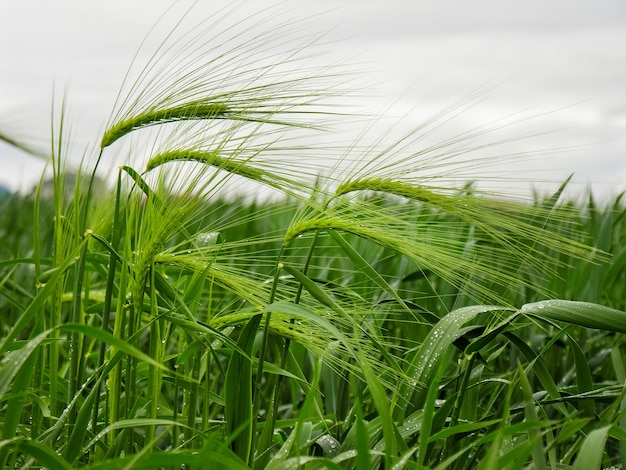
x: 366, y: 314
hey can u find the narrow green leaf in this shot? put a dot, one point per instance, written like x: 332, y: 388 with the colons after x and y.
x: 120, y: 344
x: 429, y: 412
x: 15, y: 360
x: 363, y: 266
x: 383, y: 408
x: 314, y: 289
x: 363, y: 460
x: 421, y: 369
x: 584, y: 381
x: 38, y: 302
x: 145, y: 188
x: 74, y: 448
x: 531, y: 416
x: 592, y: 450
x: 464, y: 428
x: 585, y: 314
x: 19, y: 386
x: 300, y: 311
x: 539, y: 369
x: 41, y: 453
x: 173, y: 459
x: 484, y: 339
x: 238, y: 391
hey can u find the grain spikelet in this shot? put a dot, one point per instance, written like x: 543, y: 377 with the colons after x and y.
x: 187, y: 112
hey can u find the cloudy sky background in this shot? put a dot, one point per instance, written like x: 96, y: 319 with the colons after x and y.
x: 563, y: 58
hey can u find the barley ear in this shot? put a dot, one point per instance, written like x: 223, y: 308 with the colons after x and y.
x: 186, y: 112
x: 234, y: 166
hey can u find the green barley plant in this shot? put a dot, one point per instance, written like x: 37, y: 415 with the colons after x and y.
x: 366, y: 315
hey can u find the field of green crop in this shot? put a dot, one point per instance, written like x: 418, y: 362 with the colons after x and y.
x: 366, y: 318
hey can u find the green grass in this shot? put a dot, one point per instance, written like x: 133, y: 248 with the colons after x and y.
x: 363, y: 319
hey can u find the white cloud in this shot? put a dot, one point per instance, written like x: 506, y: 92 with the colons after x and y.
x: 430, y: 53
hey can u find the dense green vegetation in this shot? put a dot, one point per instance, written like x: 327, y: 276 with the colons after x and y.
x: 368, y: 319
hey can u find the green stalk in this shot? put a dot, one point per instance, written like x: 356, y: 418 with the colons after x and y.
x: 187, y: 406
x: 20, y: 391
x: 86, y: 203
x: 110, y: 285
x: 206, y: 398
x: 77, y: 318
x: 54, y: 354
x: 258, y: 385
x: 156, y: 351
x: 196, y: 358
x: 115, y: 376
x: 134, y: 323
x: 175, y: 406
x: 36, y: 231
x: 270, y: 422
x: 534, y: 437
x: 55, y: 305
x: 181, y: 369
x: 454, y: 419
x: 41, y: 359
x: 130, y: 363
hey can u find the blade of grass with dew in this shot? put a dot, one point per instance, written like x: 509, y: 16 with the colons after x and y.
x: 465, y: 402
x: 585, y: 314
x: 74, y: 449
x: 13, y: 361
x: 156, y: 351
x: 592, y: 449
x: 179, y: 459
x: 113, y: 340
x: 114, y: 259
x: 38, y: 451
x: 18, y: 373
x: 427, y: 358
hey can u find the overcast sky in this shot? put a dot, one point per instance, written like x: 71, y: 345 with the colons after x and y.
x: 562, y: 56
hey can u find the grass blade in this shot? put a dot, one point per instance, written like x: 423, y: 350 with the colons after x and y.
x: 425, y: 362
x: 363, y: 460
x: 429, y: 412
x: 592, y: 450
x: 531, y: 416
x: 22, y: 375
x: 584, y: 380
x: 238, y: 391
x: 585, y: 314
x: 383, y: 408
x: 43, y: 454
